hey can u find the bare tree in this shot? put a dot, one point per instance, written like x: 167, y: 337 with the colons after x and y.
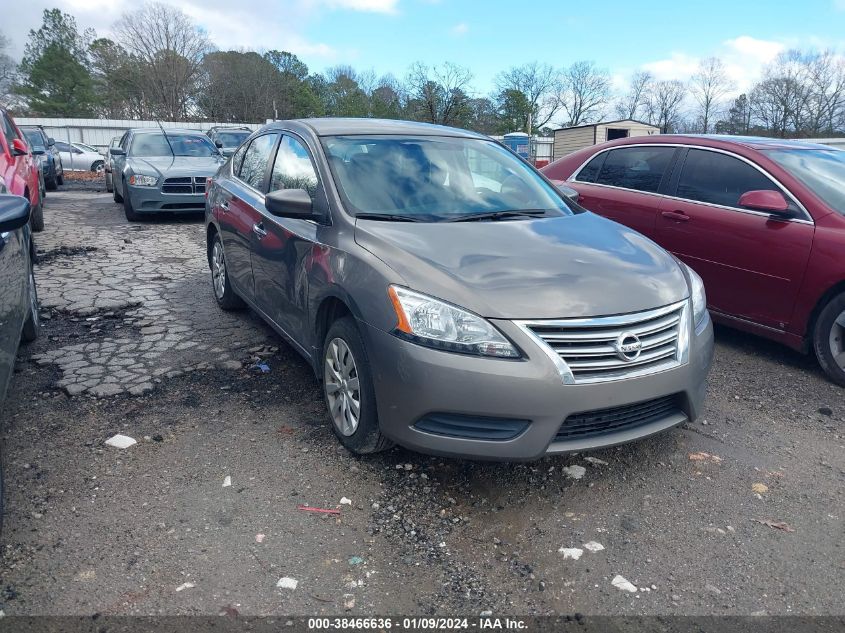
x: 585, y: 92
x: 664, y: 102
x: 709, y: 86
x: 7, y: 71
x: 439, y: 94
x: 170, y: 47
x: 540, y: 84
x: 632, y: 104
x: 779, y: 100
x: 825, y: 77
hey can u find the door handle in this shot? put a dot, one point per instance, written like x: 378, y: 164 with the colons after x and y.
x: 677, y: 216
x: 224, y: 205
x: 258, y: 229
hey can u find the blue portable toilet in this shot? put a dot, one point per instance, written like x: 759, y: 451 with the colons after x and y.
x: 519, y: 143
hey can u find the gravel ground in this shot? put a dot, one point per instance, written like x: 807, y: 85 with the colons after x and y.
x: 740, y: 513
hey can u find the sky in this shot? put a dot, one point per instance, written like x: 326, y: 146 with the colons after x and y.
x: 488, y: 36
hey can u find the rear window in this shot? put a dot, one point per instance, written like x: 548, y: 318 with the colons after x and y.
x: 640, y: 168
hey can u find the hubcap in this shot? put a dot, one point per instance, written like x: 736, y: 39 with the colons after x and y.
x: 33, y: 299
x: 218, y: 269
x: 837, y: 340
x: 342, y: 389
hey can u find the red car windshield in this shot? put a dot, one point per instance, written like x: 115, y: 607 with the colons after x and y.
x: 821, y: 170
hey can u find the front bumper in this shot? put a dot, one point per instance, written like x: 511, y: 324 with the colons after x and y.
x: 151, y: 200
x: 414, y: 382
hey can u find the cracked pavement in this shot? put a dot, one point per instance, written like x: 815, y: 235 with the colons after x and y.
x: 155, y: 284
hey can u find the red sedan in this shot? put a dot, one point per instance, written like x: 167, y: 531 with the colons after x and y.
x: 19, y: 169
x: 761, y: 220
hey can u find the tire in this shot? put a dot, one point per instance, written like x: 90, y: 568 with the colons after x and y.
x: 224, y: 294
x: 109, y: 183
x: 97, y: 165
x: 344, y: 360
x: 60, y: 178
x: 41, y: 186
x: 829, y: 339
x: 36, y: 217
x: 32, y: 325
x: 53, y: 181
x: 117, y: 197
x: 128, y: 211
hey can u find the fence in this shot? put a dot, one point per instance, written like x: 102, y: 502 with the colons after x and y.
x: 99, y: 132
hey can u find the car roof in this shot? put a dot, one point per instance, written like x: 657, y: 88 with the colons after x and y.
x: 155, y: 130
x: 350, y: 126
x: 724, y: 141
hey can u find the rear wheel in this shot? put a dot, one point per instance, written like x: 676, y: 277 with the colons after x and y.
x: 109, y: 183
x: 52, y: 181
x: 829, y: 339
x: 223, y: 291
x: 60, y: 178
x: 97, y: 166
x: 117, y: 197
x: 348, y: 390
x: 32, y: 325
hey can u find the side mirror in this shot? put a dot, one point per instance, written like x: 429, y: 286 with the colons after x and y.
x: 290, y: 203
x: 218, y: 144
x: 19, y: 148
x: 766, y: 200
x: 567, y: 191
x: 14, y: 212
x: 51, y: 141
x: 117, y: 151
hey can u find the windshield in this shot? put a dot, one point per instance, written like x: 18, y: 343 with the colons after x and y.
x: 822, y: 170
x: 34, y: 138
x: 232, y: 139
x: 432, y: 178
x: 149, y: 145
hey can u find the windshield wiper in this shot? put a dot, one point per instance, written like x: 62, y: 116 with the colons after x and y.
x: 498, y: 215
x: 389, y: 217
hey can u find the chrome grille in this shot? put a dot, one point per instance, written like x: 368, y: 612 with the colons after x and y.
x: 603, y: 348
x: 186, y: 185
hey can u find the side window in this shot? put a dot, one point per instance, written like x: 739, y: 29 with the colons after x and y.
x: 63, y: 147
x: 591, y: 170
x: 254, y: 163
x: 639, y: 168
x: 8, y: 129
x: 718, y: 178
x: 293, y: 168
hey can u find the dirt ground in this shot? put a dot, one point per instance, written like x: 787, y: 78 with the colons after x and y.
x: 739, y: 513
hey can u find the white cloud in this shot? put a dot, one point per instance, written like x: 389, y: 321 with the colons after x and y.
x: 839, y: 5
x: 461, y: 28
x: 374, y: 6
x: 744, y: 58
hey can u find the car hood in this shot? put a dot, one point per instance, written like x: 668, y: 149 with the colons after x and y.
x: 545, y: 268
x: 178, y: 165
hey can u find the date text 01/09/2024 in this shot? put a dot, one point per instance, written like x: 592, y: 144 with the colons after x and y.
x: 417, y: 623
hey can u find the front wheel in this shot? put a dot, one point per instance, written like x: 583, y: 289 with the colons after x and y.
x: 348, y: 390
x: 36, y: 218
x: 60, y: 178
x: 223, y: 291
x: 128, y: 211
x: 829, y: 339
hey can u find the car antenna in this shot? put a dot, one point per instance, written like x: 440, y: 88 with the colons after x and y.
x: 172, y: 153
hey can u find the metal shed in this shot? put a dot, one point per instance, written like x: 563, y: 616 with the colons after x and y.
x: 571, y: 139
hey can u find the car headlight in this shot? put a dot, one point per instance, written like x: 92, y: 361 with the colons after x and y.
x: 140, y: 180
x: 428, y: 321
x: 699, y: 297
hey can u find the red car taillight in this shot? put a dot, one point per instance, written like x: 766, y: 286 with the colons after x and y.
x: 208, y: 182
